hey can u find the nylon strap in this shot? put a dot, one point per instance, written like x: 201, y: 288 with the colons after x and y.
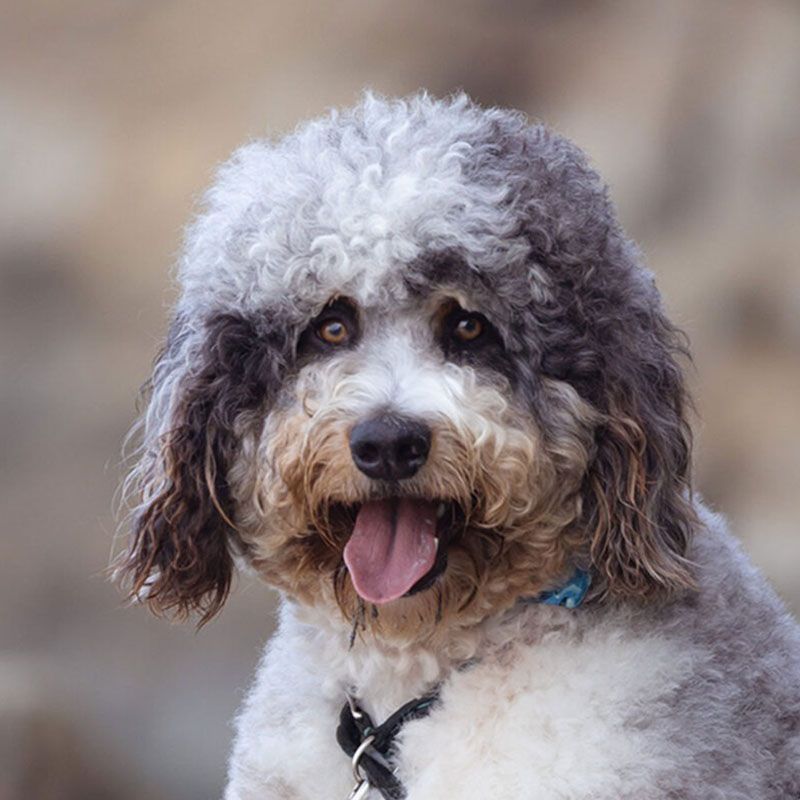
x: 377, y: 759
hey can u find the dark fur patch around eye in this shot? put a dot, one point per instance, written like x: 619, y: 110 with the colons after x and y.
x: 311, y: 344
x: 457, y: 348
x: 249, y: 358
x: 486, y: 350
x: 443, y: 271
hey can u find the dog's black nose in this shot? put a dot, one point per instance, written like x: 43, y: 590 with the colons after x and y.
x: 390, y: 447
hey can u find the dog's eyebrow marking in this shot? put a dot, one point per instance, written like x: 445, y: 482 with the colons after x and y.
x: 437, y: 268
x: 448, y: 274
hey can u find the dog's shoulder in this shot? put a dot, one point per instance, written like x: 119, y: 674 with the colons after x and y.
x: 612, y: 701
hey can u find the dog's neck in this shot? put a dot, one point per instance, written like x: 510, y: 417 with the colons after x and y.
x: 384, y: 675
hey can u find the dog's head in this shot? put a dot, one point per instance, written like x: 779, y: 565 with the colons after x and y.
x: 415, y: 373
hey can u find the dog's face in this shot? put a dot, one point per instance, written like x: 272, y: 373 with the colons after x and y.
x: 401, y: 472
x: 415, y: 374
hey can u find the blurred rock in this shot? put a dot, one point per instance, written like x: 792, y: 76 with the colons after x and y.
x: 43, y: 751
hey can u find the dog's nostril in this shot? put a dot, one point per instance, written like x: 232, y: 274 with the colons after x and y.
x: 367, y: 453
x: 411, y: 449
x: 390, y: 447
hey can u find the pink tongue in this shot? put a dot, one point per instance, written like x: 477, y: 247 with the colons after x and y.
x: 392, y: 546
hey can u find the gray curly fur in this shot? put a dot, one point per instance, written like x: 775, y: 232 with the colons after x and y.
x: 386, y: 203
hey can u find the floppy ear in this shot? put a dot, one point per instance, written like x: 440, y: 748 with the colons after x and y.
x: 178, y: 559
x: 182, y: 540
x: 637, y: 500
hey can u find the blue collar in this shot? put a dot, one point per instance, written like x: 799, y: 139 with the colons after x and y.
x: 570, y: 595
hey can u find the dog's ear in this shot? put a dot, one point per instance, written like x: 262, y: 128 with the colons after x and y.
x: 637, y: 504
x: 180, y: 556
x: 178, y: 559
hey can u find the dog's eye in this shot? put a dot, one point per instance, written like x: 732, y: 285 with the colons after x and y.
x: 468, y: 328
x: 333, y: 331
x: 468, y: 335
x: 334, y: 328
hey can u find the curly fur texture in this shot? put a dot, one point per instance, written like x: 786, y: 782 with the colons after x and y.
x: 560, y: 440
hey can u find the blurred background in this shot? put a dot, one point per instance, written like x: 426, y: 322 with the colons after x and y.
x: 113, y: 114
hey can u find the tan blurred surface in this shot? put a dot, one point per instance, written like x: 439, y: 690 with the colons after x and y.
x: 113, y: 115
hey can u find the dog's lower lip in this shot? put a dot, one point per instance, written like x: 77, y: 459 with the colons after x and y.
x: 426, y: 581
x: 446, y: 532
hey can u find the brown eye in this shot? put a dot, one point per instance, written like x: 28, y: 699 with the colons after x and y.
x: 468, y: 329
x: 333, y: 331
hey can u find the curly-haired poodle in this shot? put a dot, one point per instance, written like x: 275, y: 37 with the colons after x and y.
x: 419, y: 381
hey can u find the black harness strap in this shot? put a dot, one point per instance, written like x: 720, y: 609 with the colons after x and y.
x: 355, y: 726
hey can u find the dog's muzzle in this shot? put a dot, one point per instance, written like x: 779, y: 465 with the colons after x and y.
x: 394, y: 545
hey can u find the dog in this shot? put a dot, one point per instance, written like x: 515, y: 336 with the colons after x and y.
x: 419, y: 381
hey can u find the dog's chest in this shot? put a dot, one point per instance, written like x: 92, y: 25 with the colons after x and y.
x: 549, y: 721
x: 571, y: 716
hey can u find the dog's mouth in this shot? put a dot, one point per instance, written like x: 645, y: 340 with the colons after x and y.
x: 397, y: 546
